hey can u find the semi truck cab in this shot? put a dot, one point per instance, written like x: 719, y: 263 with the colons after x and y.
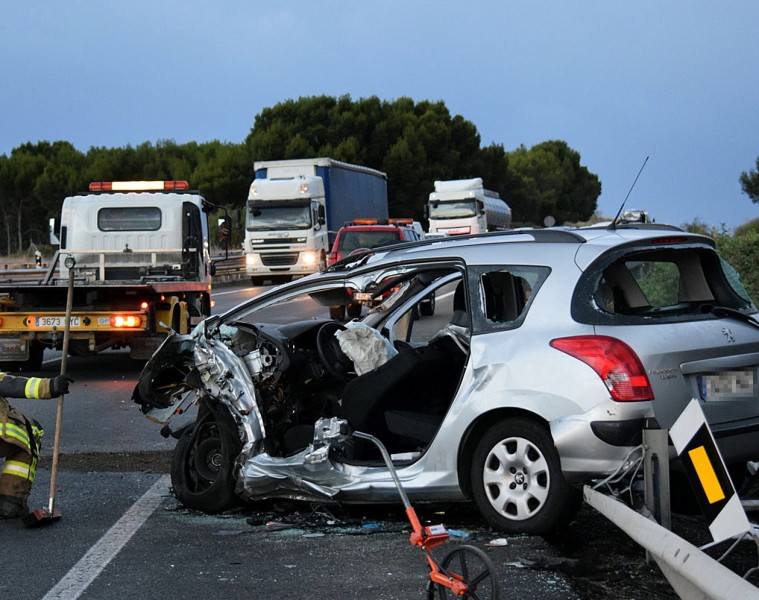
x: 284, y: 228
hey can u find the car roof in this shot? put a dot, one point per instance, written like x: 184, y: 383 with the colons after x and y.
x: 585, y: 244
x: 374, y: 227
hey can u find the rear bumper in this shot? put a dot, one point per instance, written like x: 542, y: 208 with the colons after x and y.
x: 739, y: 443
x: 619, y: 433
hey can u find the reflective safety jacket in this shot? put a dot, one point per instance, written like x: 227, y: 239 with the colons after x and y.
x: 24, y: 387
x: 15, y: 428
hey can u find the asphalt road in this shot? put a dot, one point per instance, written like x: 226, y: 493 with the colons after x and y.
x: 123, y: 535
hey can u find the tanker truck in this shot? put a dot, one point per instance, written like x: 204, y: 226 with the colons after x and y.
x: 464, y: 206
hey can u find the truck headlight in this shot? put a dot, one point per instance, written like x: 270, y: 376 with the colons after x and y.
x: 309, y: 258
x: 251, y: 259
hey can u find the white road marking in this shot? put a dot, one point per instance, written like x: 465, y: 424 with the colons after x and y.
x: 83, y: 573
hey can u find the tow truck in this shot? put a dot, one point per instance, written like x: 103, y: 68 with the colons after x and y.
x: 142, y: 267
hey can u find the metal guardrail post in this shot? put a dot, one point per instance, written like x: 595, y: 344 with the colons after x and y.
x: 656, y: 477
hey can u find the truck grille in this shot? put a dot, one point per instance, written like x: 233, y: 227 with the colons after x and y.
x: 279, y: 260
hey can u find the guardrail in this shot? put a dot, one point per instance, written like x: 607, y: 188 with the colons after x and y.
x: 691, y: 572
x: 229, y: 270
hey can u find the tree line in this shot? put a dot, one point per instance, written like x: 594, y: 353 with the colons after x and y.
x: 415, y: 143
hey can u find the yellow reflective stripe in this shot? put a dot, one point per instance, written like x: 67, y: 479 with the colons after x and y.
x: 706, y: 475
x: 17, y: 433
x: 32, y: 389
x: 19, y: 469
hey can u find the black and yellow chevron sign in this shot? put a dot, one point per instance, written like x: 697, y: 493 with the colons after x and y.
x: 695, y: 445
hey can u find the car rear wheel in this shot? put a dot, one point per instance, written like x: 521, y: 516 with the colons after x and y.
x: 517, y: 482
x: 203, y: 461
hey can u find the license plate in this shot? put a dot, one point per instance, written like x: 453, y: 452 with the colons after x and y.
x: 728, y: 385
x: 57, y: 322
x: 13, y: 349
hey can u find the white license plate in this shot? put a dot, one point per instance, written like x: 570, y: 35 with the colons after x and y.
x: 729, y: 385
x: 57, y: 322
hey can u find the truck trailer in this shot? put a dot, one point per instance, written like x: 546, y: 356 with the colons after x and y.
x: 141, y: 265
x: 296, y: 207
x: 464, y: 206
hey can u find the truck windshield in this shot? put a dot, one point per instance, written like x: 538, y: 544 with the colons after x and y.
x: 452, y: 209
x: 277, y: 217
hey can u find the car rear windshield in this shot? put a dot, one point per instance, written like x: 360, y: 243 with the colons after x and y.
x: 668, y: 283
x: 354, y: 240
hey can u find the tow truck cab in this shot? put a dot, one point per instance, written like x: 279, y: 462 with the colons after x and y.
x: 141, y: 263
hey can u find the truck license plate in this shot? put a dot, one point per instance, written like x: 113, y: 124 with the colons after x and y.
x: 13, y: 349
x: 57, y: 322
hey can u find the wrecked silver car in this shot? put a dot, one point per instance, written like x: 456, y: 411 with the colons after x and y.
x: 547, y: 352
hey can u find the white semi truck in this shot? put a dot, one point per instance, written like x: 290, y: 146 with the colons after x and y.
x: 295, y: 208
x: 464, y: 206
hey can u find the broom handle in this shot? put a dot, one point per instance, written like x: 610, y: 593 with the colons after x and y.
x: 59, y: 412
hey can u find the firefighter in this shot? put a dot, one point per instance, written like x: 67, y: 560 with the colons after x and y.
x: 20, y: 439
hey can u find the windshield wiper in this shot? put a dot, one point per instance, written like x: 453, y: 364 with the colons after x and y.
x: 724, y: 311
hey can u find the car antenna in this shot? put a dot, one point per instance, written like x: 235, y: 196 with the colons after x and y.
x: 613, y: 224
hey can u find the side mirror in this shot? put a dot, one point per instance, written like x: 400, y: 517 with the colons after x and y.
x: 225, y: 230
x: 322, y: 215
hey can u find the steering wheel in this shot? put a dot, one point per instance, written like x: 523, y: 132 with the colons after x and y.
x: 332, y: 356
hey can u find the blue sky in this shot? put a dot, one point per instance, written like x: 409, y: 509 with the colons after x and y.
x: 675, y: 80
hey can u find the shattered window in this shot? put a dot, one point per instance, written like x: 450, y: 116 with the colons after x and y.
x: 504, y: 294
x: 667, y: 283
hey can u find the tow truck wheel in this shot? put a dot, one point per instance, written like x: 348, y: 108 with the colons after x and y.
x: 203, y: 461
x: 36, y: 351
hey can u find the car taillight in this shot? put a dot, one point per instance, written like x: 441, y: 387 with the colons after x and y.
x: 614, y: 362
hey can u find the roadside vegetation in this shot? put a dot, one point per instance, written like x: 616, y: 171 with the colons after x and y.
x: 415, y: 143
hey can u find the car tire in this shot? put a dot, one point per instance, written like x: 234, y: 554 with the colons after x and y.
x: 517, y: 483
x: 203, y: 462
